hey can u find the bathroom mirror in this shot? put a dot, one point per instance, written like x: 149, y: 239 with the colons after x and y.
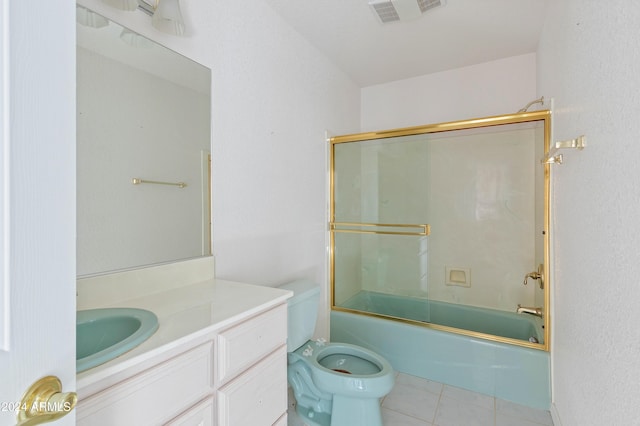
x: 445, y: 226
x: 143, y: 143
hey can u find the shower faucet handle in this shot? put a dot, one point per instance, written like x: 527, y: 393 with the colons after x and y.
x: 536, y: 275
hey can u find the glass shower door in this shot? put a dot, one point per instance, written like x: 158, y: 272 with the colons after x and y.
x: 439, y: 224
x: 380, y: 228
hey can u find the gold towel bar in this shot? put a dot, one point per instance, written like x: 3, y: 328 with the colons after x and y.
x: 335, y: 227
x: 138, y: 181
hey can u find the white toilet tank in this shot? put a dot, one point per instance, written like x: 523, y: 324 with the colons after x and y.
x: 302, y: 311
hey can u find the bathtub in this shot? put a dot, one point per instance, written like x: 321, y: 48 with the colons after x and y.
x: 509, y: 372
x: 481, y: 320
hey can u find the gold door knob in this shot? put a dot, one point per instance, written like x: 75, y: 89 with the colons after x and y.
x: 45, y: 402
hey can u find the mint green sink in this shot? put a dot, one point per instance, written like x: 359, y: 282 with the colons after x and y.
x: 104, y: 334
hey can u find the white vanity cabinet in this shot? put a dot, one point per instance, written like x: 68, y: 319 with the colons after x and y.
x: 202, y: 414
x: 252, y: 370
x: 235, y: 375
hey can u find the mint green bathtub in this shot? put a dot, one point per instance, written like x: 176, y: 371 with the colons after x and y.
x: 509, y: 372
x: 483, y: 320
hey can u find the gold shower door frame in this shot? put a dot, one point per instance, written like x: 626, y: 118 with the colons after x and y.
x: 424, y: 229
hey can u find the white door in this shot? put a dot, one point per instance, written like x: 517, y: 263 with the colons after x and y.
x: 37, y: 198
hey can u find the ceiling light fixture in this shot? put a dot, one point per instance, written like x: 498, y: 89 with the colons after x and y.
x: 135, y: 39
x: 402, y: 10
x: 168, y: 18
x: 165, y: 14
x: 90, y: 19
x: 129, y: 5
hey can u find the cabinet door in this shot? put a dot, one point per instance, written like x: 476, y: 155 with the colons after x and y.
x: 245, y: 344
x: 282, y: 421
x: 202, y: 414
x: 259, y: 396
x: 153, y: 396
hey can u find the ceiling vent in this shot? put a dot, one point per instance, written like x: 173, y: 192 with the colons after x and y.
x: 402, y: 10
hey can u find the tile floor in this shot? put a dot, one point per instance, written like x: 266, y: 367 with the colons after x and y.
x: 419, y: 402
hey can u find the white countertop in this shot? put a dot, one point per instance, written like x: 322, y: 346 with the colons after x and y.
x: 184, y: 313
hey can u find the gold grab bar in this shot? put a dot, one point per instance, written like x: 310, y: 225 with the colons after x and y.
x: 138, y: 181
x: 334, y: 226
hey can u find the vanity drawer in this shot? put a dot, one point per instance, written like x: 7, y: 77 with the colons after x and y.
x: 243, y: 345
x: 155, y: 395
x: 257, y: 397
x: 201, y: 414
x: 282, y: 421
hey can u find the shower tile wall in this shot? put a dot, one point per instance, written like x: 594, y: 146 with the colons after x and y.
x: 348, y: 208
x: 402, y: 174
x: 483, y: 218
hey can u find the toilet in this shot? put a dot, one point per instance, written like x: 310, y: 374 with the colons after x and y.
x: 334, y: 384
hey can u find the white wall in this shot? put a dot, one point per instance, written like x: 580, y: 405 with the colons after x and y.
x: 588, y: 62
x: 274, y: 95
x: 491, y: 88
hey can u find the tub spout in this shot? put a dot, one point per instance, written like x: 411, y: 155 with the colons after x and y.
x: 533, y: 311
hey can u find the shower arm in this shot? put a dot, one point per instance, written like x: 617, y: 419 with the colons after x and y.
x: 537, y: 101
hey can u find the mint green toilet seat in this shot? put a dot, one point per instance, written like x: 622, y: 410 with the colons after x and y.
x: 349, y: 364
